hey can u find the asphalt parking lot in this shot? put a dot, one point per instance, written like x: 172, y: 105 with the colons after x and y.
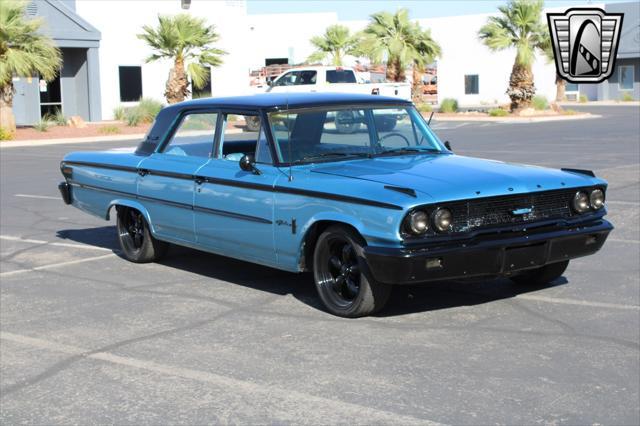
x: 89, y: 338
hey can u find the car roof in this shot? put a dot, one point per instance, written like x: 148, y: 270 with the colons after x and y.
x: 290, y: 101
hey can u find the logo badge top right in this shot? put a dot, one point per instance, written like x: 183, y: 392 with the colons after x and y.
x: 585, y: 43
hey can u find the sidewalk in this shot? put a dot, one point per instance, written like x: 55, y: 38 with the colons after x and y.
x: 535, y: 119
x: 42, y: 142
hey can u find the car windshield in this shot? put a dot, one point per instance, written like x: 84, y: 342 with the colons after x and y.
x: 317, y: 135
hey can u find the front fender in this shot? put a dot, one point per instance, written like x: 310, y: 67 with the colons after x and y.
x: 134, y: 205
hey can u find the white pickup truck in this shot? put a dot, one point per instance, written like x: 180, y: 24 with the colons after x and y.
x: 334, y: 79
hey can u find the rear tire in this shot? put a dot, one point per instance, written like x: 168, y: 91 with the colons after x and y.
x: 341, y: 275
x: 134, y: 236
x: 543, y: 275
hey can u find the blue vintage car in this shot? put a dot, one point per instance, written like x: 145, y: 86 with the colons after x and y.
x: 356, y: 188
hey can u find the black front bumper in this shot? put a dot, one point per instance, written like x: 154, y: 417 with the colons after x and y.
x: 500, y: 254
x: 65, y: 192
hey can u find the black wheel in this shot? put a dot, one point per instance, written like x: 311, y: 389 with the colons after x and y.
x: 543, y: 275
x: 347, y: 122
x: 135, y: 239
x: 341, y: 275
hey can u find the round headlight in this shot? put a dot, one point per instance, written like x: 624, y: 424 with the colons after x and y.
x: 581, y: 202
x: 418, y: 222
x: 596, y: 198
x: 442, y: 219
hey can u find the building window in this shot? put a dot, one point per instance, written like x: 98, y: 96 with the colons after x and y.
x: 571, y: 87
x: 471, y: 84
x: 625, y: 77
x: 130, y: 84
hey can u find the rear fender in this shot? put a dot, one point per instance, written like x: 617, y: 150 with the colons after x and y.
x: 132, y: 204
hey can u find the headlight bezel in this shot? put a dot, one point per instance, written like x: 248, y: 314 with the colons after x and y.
x: 580, y: 202
x: 435, y: 222
x: 410, y: 223
x: 594, y: 205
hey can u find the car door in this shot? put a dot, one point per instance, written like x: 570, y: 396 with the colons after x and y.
x: 166, y: 184
x: 234, y: 208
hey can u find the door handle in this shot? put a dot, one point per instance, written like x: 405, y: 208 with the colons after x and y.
x: 199, y: 180
x: 143, y: 172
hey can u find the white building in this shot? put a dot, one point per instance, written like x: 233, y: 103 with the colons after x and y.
x: 467, y: 70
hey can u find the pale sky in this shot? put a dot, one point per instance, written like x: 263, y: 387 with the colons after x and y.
x: 361, y: 9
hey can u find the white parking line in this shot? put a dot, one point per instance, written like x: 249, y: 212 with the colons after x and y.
x: 288, y: 400
x: 41, y: 197
x: 55, y: 265
x: 620, y: 240
x: 576, y: 302
x: 624, y: 203
x: 29, y: 241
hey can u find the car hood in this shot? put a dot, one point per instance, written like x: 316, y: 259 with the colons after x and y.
x: 450, y: 177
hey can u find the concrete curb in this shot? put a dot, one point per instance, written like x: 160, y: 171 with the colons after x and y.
x: 519, y: 119
x: 70, y: 141
x: 42, y: 142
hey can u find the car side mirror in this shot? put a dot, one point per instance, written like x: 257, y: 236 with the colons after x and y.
x: 448, y: 146
x: 269, y: 83
x: 248, y: 164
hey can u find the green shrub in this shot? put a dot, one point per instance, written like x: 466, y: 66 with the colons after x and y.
x: 449, y: 105
x: 134, y: 116
x: 109, y: 129
x: 424, y: 107
x: 58, y: 118
x: 627, y: 97
x: 569, y: 112
x: 120, y: 113
x: 149, y: 109
x: 42, y: 125
x: 584, y: 99
x: 539, y: 103
x: 498, y: 112
x: 5, y: 134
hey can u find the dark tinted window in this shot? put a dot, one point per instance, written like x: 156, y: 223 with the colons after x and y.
x: 130, y: 84
x: 341, y: 76
x: 471, y: 84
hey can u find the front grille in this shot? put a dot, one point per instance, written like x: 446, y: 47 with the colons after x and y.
x: 486, y: 212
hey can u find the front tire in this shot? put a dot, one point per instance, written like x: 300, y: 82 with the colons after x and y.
x: 543, y: 275
x: 134, y: 236
x: 342, y: 278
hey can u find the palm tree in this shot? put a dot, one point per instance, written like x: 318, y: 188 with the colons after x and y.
x: 561, y: 84
x: 399, y: 40
x: 24, y: 52
x: 187, y: 41
x: 519, y: 26
x: 336, y: 42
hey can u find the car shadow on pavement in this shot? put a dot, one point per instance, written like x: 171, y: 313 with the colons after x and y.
x: 405, y: 299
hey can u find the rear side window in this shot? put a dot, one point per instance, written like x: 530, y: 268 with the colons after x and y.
x: 194, y: 137
x: 341, y: 76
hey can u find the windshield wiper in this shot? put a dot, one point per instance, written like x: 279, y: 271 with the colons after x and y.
x: 406, y: 150
x: 324, y: 155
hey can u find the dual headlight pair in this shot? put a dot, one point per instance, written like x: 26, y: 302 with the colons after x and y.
x: 584, y: 201
x: 418, y: 222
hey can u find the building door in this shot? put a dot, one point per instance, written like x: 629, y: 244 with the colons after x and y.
x: 50, y: 97
x: 25, y: 100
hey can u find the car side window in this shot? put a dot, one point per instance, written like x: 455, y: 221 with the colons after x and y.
x: 194, y: 136
x: 288, y: 79
x: 243, y: 134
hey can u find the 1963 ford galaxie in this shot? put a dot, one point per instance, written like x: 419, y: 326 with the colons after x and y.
x: 355, y: 188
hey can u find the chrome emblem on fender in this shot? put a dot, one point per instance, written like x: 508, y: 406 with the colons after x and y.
x: 585, y: 43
